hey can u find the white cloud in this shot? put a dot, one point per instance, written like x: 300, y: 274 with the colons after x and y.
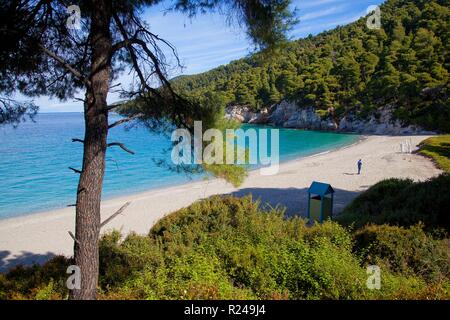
x: 322, y: 13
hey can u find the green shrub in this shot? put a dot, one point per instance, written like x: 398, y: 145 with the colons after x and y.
x: 258, y: 250
x: 228, y: 248
x: 337, y: 272
x: 395, y: 286
x: 438, y: 149
x: 402, y: 202
x: 335, y: 233
x: 119, y: 259
x: 409, y: 251
x: 48, y: 280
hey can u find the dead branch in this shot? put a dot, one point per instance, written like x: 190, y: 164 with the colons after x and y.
x: 77, y: 140
x: 75, y: 170
x: 115, y: 214
x: 65, y: 64
x: 124, y: 121
x: 127, y: 43
x: 121, y: 145
x: 73, y: 237
x: 115, y: 85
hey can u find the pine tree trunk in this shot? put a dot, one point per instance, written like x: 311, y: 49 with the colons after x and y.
x: 87, y: 228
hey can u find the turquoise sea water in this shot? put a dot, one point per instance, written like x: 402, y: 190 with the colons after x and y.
x: 34, y: 161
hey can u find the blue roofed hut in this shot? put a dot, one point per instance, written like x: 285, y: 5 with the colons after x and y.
x: 320, y: 201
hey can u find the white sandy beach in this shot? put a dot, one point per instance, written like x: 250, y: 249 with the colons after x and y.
x: 36, y: 237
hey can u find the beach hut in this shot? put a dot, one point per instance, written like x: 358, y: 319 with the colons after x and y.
x: 320, y: 201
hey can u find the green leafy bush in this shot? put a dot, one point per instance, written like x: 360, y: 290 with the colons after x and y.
x: 438, y: 149
x: 228, y: 248
x: 402, y: 202
x: 409, y: 251
x: 47, y: 281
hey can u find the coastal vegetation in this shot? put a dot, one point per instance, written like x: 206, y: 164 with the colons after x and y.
x: 402, y: 202
x: 438, y: 149
x: 230, y: 248
x: 350, y: 69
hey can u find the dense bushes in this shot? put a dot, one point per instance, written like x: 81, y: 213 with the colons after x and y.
x: 227, y: 248
x: 38, y: 282
x: 402, y: 202
x: 239, y: 251
x: 407, y: 251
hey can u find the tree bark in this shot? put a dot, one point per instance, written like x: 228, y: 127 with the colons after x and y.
x: 87, y: 229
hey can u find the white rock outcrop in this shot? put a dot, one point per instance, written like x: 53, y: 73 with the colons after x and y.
x: 382, y: 123
x: 289, y: 115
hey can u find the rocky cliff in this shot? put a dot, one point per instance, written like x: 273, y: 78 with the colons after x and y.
x: 289, y: 115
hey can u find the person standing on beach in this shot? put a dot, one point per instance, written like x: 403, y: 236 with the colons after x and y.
x: 359, y: 166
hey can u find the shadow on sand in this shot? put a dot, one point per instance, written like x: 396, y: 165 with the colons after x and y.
x: 293, y: 199
x: 7, y: 261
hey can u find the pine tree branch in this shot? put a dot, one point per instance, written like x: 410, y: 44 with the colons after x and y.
x: 75, y: 170
x: 119, y: 122
x: 121, y: 145
x: 73, y: 237
x: 65, y: 64
x: 127, y: 43
x: 115, y: 214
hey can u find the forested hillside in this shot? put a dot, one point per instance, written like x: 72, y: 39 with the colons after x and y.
x: 351, y: 69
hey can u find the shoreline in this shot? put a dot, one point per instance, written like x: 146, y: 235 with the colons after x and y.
x: 174, y: 185
x: 36, y: 237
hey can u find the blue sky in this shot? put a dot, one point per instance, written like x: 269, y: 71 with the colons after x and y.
x: 207, y: 41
